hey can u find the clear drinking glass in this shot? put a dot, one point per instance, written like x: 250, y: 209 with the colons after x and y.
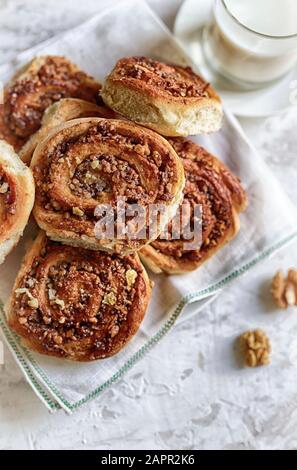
x: 248, y: 57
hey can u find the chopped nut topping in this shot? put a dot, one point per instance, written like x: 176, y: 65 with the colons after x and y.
x: 94, y: 164
x: 33, y: 303
x: 114, y: 331
x: 59, y: 302
x: 31, y: 282
x: 139, y: 149
x: 93, y: 320
x: 110, y: 298
x: 22, y: 320
x: 131, y: 276
x: 77, y: 211
x: 4, y: 188
x: 58, y: 339
x: 255, y: 346
x: 51, y: 294
x: 284, y: 289
x: 56, y: 205
x: 175, y: 80
x: 22, y: 290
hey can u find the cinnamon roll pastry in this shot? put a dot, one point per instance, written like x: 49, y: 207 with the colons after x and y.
x: 16, y: 198
x: 220, y: 196
x: 94, y: 163
x: 77, y: 304
x: 58, y: 113
x: 43, y: 81
x: 170, y: 99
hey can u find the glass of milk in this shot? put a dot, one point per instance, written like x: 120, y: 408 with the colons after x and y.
x: 251, y: 42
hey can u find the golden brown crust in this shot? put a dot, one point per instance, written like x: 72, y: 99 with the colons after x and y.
x: 58, y: 113
x: 7, y: 135
x: 75, y: 304
x: 165, y: 97
x: 16, y: 198
x: 160, y: 79
x: 221, y: 197
x: 42, y: 82
x: 188, y: 151
x: 92, y: 161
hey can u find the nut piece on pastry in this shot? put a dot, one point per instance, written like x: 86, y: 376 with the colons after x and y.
x: 16, y: 198
x: 77, y: 304
x: 58, y: 113
x: 284, y: 289
x: 217, y: 191
x: 40, y: 83
x: 91, y: 162
x: 170, y: 99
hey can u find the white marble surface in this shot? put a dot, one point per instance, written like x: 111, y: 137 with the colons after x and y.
x: 181, y: 395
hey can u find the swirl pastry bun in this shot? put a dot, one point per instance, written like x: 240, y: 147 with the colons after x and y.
x: 76, y: 304
x: 170, y: 99
x: 16, y: 198
x: 58, y: 113
x: 91, y: 162
x: 45, y: 80
x: 218, y: 192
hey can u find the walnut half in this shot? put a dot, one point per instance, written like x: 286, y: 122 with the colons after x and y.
x: 255, y: 347
x: 284, y: 289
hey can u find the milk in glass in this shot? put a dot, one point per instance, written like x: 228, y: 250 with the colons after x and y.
x: 252, y: 41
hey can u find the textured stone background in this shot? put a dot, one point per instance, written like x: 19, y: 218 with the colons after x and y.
x: 189, y: 392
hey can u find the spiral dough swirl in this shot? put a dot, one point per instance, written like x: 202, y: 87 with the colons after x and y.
x: 76, y: 304
x: 92, y: 161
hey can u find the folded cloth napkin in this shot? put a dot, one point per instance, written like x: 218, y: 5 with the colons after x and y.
x: 269, y: 223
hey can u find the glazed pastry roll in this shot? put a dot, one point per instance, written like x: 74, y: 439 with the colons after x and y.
x: 170, y: 99
x: 89, y: 164
x: 76, y: 304
x: 16, y: 198
x: 58, y: 113
x: 39, y: 84
x: 217, y: 192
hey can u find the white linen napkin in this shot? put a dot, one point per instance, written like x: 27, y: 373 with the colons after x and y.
x: 269, y: 223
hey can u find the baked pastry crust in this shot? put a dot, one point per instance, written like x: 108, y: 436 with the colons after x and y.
x: 170, y: 99
x: 16, y: 198
x: 75, y: 304
x: 92, y: 161
x: 221, y: 197
x: 58, y: 113
x: 45, y: 80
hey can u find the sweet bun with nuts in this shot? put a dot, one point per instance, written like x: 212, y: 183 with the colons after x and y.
x: 91, y: 162
x: 40, y: 83
x: 16, y: 198
x: 76, y: 304
x: 218, y: 193
x: 58, y: 113
x: 170, y: 99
